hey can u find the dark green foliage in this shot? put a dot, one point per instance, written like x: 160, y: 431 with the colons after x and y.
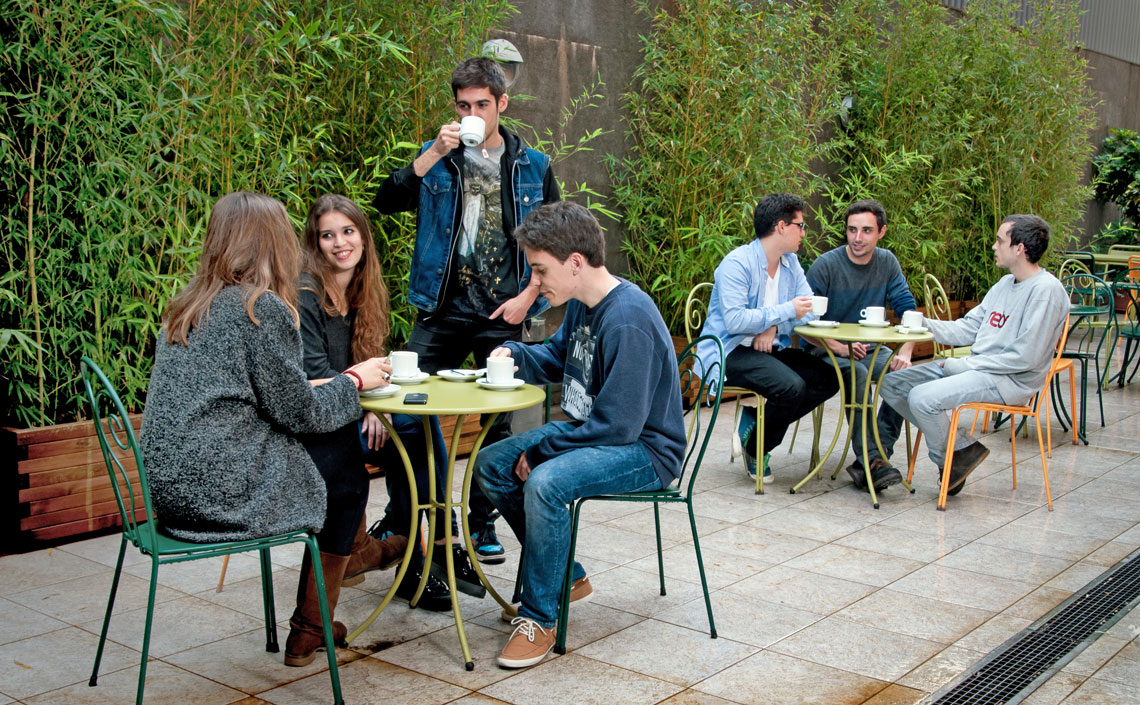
x: 1117, y: 177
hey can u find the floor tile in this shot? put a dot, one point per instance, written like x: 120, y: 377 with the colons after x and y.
x: 756, y: 543
x: 916, y: 616
x: 816, y: 593
x: 1095, y: 655
x: 164, y: 684
x: 26, y: 571
x: 903, y: 543
x: 1076, y: 576
x: 1096, y: 691
x: 751, y: 682
x: 855, y: 564
x: 721, y: 568
x: 692, y: 656
x: 962, y: 587
x: 177, y: 625
x: 895, y: 694
x: 640, y: 592
x: 744, y: 619
x: 607, y: 543
x: 1122, y: 669
x: 594, y: 683
x: 1037, y: 603
x: 55, y: 660
x: 21, y: 622
x: 367, y: 681
x: 105, y: 549
x: 1004, y: 562
x: 674, y: 525
x: 1055, y: 690
x: 941, y: 669
x: 85, y: 599
x: 695, y: 697
x: 797, y: 521
x: 438, y: 655
x: 875, y: 653
x: 993, y: 633
x: 242, y: 663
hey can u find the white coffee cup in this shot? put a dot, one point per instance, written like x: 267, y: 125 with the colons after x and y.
x: 471, y: 130
x: 912, y: 319
x: 405, y: 363
x: 819, y: 305
x: 874, y: 314
x: 500, y: 370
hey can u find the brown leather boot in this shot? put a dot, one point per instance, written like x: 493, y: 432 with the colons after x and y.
x: 369, y: 553
x: 305, y: 630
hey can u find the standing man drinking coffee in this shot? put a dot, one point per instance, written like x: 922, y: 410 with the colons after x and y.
x: 469, y: 278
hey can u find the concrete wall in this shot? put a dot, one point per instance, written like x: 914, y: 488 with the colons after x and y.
x: 1116, y: 84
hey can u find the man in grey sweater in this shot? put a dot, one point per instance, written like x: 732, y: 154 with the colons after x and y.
x: 1012, y: 335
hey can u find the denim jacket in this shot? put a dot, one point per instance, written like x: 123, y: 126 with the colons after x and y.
x: 737, y: 309
x: 437, y: 198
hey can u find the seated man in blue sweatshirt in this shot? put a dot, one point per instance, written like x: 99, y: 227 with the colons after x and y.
x: 620, y: 386
x: 852, y: 277
x: 1012, y: 334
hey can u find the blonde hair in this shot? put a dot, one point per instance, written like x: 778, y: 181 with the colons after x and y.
x: 366, y: 293
x: 249, y: 242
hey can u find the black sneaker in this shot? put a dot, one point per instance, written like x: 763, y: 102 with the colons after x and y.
x: 883, y: 475
x: 436, y: 597
x: 487, y: 547
x: 964, y: 462
x: 466, y: 579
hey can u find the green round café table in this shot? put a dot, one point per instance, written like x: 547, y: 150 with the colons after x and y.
x: 852, y: 333
x: 445, y: 398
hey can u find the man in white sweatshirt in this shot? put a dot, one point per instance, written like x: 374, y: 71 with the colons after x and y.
x: 1012, y: 335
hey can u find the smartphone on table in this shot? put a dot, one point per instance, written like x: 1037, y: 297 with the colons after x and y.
x: 416, y: 398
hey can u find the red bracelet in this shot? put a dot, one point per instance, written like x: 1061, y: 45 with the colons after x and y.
x: 359, y: 380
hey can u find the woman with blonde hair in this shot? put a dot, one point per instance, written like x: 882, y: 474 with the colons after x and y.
x: 229, y: 401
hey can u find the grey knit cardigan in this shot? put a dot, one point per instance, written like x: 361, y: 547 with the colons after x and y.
x: 221, y: 415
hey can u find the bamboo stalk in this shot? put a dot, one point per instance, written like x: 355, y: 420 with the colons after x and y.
x: 31, y: 253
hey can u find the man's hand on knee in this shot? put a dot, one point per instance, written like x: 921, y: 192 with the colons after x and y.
x: 522, y: 467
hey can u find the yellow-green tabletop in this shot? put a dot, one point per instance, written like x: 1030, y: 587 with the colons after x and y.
x: 445, y: 398
x: 852, y: 333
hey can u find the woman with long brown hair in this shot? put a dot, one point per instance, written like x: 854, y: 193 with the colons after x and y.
x: 344, y: 318
x: 229, y: 401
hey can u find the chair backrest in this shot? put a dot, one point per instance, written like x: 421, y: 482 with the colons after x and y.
x: 937, y: 305
x: 120, y: 446
x: 1091, y: 301
x: 697, y: 309
x: 1058, y: 352
x: 705, y: 386
x: 1124, y: 248
x: 1072, y: 266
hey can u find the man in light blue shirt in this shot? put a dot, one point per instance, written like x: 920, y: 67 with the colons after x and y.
x: 759, y: 295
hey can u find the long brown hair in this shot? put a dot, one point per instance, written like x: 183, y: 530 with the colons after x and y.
x: 365, y: 293
x: 249, y: 242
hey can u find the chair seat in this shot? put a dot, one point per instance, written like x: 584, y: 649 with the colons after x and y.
x: 647, y: 495
x: 170, y: 546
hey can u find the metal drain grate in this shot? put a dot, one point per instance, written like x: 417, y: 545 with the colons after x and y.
x: 1016, y: 668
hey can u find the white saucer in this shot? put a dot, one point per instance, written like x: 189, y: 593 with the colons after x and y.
x: 380, y: 392
x: 503, y: 387
x: 460, y: 375
x: 874, y: 324
x: 824, y: 324
x: 905, y: 330
x: 414, y: 379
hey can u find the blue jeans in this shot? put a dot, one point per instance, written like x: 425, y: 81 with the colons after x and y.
x: 538, y: 510
x: 410, y: 428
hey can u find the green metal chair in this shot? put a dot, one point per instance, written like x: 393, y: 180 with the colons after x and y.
x: 1127, y: 285
x: 705, y: 387
x: 1093, y: 318
x: 120, y: 447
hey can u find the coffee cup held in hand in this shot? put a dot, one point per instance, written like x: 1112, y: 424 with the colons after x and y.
x: 405, y: 364
x: 500, y: 370
x: 471, y: 130
x: 912, y: 319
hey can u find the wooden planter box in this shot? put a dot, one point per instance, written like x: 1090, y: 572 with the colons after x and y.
x: 54, y: 483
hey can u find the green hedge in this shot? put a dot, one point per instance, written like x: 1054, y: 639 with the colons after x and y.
x: 123, y: 121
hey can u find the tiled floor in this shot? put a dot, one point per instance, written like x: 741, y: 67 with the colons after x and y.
x: 819, y: 598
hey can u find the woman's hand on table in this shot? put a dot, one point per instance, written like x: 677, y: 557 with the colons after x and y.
x: 374, y: 372
x: 374, y: 430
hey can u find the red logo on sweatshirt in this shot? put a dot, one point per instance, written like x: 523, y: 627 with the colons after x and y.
x: 997, y: 320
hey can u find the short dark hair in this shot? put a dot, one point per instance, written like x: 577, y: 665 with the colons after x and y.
x: 1031, y: 231
x: 772, y: 209
x: 479, y: 72
x: 868, y: 205
x: 563, y: 228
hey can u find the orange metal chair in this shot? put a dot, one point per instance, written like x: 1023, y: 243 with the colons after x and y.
x: 1033, y: 408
